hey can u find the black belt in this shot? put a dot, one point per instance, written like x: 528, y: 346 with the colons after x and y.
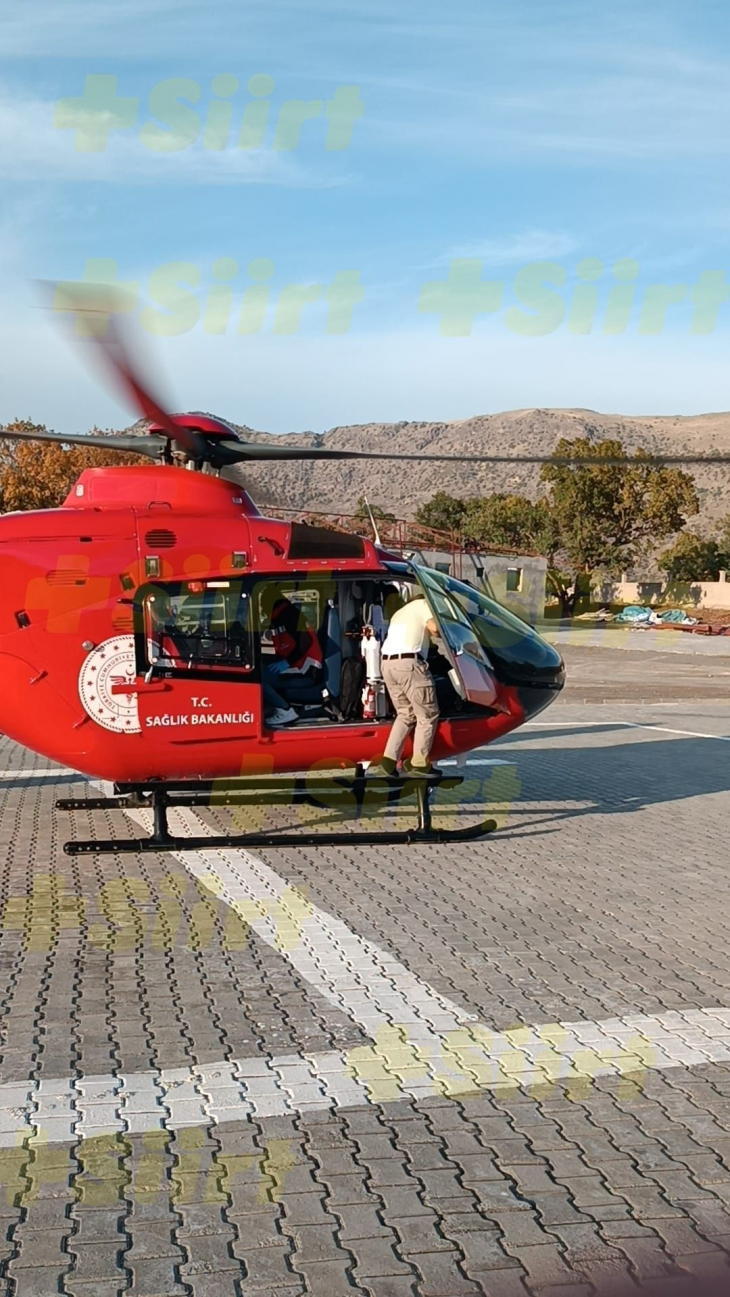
x: 391, y: 657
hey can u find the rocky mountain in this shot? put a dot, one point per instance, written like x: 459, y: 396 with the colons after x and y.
x: 401, y: 487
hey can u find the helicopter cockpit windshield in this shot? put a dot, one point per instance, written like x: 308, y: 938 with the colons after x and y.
x: 483, y: 638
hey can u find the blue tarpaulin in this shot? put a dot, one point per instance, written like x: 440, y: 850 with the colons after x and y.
x: 639, y: 616
x: 634, y: 614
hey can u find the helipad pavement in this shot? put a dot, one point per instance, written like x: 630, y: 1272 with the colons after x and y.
x: 497, y: 1069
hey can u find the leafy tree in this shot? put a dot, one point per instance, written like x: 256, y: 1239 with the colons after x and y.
x: 606, y: 516
x: 40, y: 474
x: 692, y: 558
x: 443, y: 512
x: 512, y: 522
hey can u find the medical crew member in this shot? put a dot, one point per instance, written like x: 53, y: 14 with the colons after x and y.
x: 410, y: 685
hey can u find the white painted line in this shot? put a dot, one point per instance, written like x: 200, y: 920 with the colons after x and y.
x: 690, y: 734
x: 7, y: 776
x: 400, y: 1064
x: 633, y: 725
x: 475, y: 761
x: 566, y: 725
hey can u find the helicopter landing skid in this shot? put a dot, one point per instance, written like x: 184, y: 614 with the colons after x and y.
x: 356, y: 793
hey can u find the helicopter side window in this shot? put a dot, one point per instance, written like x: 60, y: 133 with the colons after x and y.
x: 306, y: 598
x: 197, y: 625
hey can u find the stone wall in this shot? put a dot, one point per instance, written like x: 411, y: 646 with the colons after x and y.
x: 697, y: 594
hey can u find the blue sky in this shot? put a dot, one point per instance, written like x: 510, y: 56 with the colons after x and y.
x: 505, y: 132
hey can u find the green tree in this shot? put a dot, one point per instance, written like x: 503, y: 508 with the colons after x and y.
x: 512, y: 522
x: 692, y: 558
x: 443, y: 512
x: 608, y: 515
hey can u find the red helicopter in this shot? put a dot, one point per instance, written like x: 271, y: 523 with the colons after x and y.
x: 136, y: 636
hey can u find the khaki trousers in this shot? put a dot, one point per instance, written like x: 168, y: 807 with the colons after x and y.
x: 413, y: 694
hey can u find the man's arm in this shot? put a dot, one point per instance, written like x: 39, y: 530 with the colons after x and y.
x: 434, y: 631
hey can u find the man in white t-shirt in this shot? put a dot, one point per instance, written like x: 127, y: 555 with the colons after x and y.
x: 410, y: 685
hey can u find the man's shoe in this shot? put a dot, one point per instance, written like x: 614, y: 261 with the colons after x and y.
x: 281, y: 717
x: 417, y: 771
x: 385, y: 768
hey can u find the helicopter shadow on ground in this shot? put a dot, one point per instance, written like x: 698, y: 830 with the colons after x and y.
x: 616, y: 778
x: 38, y: 781
x: 619, y: 778
x: 524, y: 733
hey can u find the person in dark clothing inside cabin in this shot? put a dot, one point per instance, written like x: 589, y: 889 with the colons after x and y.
x: 298, y: 654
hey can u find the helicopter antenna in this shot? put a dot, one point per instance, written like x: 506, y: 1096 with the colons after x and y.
x: 376, y: 533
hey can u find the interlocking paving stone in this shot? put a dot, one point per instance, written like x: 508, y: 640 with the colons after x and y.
x: 190, y: 1104
x: 440, y: 1273
x: 482, y: 1248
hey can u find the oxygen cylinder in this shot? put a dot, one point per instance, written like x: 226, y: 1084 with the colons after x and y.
x: 370, y: 650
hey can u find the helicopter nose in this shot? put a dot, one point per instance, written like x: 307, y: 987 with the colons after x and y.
x: 524, y: 661
x: 535, y: 696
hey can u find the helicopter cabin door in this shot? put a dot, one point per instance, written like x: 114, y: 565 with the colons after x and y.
x: 195, y: 661
x: 471, y: 672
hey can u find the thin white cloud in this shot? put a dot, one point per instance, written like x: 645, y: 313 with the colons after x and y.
x: 158, y: 28
x: 590, y: 85
x: 516, y: 249
x: 32, y: 148
x: 596, y: 119
x: 76, y: 27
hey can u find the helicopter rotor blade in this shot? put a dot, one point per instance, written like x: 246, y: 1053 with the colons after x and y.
x: 252, y: 451
x: 224, y: 453
x: 146, y: 444
x: 117, y: 355
x: 98, y: 307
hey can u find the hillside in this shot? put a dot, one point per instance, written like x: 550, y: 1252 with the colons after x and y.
x: 401, y: 487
